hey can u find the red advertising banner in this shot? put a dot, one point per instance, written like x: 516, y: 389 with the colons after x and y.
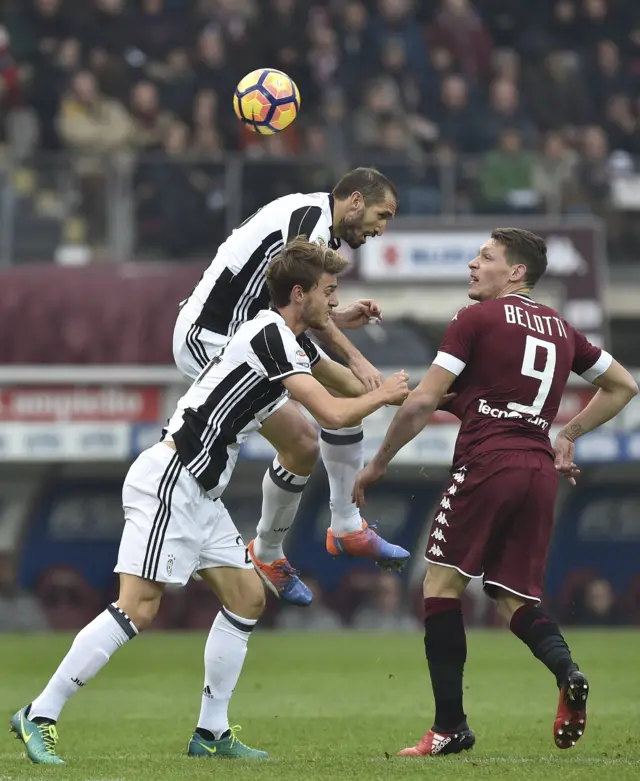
x: 78, y: 403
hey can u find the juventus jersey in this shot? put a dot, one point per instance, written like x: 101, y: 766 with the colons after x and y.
x: 233, y: 289
x: 234, y: 394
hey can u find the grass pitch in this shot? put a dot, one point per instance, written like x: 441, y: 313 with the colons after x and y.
x: 328, y: 707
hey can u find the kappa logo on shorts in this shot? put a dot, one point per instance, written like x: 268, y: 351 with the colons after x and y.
x: 441, y: 518
x: 459, y: 477
x: 437, y: 533
x: 170, y: 561
x: 452, y: 490
x: 435, y: 550
x: 445, y: 503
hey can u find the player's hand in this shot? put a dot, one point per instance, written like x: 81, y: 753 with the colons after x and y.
x: 396, y: 388
x: 366, y: 372
x: 357, y: 314
x: 365, y: 479
x: 564, y: 452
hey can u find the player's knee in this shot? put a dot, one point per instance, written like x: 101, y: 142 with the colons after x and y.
x: 141, y: 611
x: 507, y: 603
x: 246, y: 598
x: 302, y: 450
x: 444, y: 583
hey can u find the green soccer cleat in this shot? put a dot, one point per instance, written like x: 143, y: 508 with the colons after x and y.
x: 39, y: 739
x: 227, y: 747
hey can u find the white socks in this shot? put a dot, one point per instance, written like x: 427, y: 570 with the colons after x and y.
x: 343, y: 456
x: 91, y: 650
x: 281, y: 494
x: 94, y: 645
x: 224, y: 656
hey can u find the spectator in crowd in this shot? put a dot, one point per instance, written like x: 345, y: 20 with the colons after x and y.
x: 333, y: 114
x: 113, y: 75
x: 352, y: 25
x: 208, y: 124
x: 323, y: 56
x: 157, y: 31
x: 596, y: 605
x: 506, y: 177
x: 89, y: 122
x: 212, y: 69
x: 109, y: 27
x: 621, y: 125
x: 48, y: 84
x: 606, y: 76
x: 457, y: 119
x: 318, y: 617
x: 593, y: 170
x: 171, y: 190
x: 557, y: 94
x: 48, y: 25
x: 92, y: 126
x: 386, y: 611
x: 554, y: 174
x: 397, y: 17
x: 19, y: 610
x: 149, y: 122
x: 563, y: 25
x: 505, y: 113
x: 460, y: 28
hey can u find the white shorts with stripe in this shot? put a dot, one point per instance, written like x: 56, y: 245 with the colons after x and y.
x: 172, y: 528
x: 194, y: 346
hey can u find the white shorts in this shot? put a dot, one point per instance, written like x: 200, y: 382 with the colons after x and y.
x: 172, y: 528
x: 194, y: 346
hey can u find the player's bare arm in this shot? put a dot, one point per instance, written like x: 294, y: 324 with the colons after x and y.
x: 616, y: 388
x: 366, y: 372
x: 408, y: 422
x: 338, y: 378
x: 332, y: 413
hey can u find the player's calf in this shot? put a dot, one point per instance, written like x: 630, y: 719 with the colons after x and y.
x: 139, y: 599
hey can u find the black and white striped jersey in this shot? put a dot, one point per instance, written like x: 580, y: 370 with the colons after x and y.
x: 234, y: 394
x: 233, y: 288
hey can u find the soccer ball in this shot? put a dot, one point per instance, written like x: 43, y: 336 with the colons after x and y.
x: 266, y: 101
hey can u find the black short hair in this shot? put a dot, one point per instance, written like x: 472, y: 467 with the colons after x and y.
x: 522, y: 246
x: 300, y: 263
x: 372, y: 185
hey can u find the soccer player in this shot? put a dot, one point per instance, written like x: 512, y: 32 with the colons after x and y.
x: 232, y: 290
x: 175, y: 522
x: 508, y: 359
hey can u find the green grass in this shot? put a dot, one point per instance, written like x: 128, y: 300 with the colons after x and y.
x: 328, y: 708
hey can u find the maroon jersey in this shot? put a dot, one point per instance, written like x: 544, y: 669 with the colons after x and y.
x: 512, y: 357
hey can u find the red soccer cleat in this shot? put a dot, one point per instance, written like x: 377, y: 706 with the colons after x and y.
x: 571, y: 718
x: 436, y: 743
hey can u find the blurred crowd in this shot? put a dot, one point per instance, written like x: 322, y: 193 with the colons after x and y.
x: 519, y: 106
x: 366, y: 601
